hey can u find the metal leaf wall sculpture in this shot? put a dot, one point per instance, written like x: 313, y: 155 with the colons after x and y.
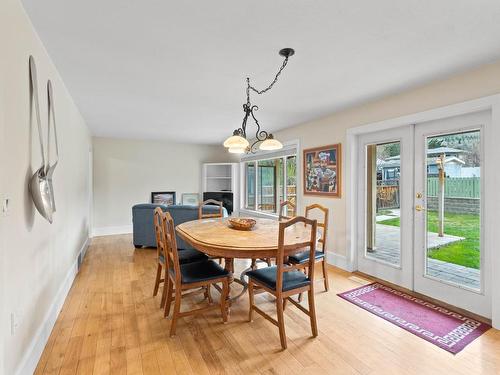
x: 40, y: 184
x: 51, y: 167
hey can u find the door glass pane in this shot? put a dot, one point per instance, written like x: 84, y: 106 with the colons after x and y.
x: 291, y: 183
x: 266, y: 185
x: 280, y: 178
x: 250, y: 185
x: 453, y: 208
x: 383, y: 171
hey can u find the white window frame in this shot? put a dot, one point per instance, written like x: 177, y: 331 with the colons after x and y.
x: 293, y: 147
x: 244, y: 196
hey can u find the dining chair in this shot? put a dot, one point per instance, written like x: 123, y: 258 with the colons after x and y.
x: 201, y: 215
x: 189, y: 276
x: 160, y: 248
x: 285, y: 280
x: 319, y: 254
x: 285, y: 206
x: 185, y: 256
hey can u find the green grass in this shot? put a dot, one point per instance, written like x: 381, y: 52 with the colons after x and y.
x: 384, y: 212
x: 466, y: 252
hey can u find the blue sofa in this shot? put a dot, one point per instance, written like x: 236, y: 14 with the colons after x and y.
x: 143, y: 227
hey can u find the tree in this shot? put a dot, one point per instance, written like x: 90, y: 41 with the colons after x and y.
x: 435, y: 143
x: 389, y: 149
x: 469, y: 142
x: 291, y: 168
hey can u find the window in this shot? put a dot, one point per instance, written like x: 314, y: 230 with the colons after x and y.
x: 250, y: 185
x: 267, y: 185
x: 291, y: 182
x: 270, y: 181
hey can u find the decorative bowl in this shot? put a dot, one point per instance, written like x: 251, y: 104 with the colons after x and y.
x: 241, y: 223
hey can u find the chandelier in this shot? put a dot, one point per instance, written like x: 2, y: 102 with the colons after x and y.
x: 238, y: 142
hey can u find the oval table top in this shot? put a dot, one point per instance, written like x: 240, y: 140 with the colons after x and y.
x: 216, y: 238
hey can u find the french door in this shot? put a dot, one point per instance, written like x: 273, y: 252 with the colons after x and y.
x: 385, y: 195
x: 451, y: 263
x: 421, y: 207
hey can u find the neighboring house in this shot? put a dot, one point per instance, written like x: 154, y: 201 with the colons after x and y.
x: 470, y: 172
x: 452, y: 166
x: 390, y: 168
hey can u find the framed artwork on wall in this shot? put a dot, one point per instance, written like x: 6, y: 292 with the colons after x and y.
x: 166, y: 198
x: 322, y: 171
x: 191, y: 199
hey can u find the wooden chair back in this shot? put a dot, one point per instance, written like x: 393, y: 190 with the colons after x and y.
x: 323, y: 224
x: 160, y: 233
x: 283, y: 249
x: 172, y: 254
x: 201, y: 215
x: 284, y: 206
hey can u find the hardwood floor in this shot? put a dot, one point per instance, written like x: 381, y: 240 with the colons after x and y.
x: 111, y: 324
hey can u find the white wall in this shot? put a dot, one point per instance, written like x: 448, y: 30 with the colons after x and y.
x: 2, y: 244
x: 332, y: 129
x: 127, y: 171
x: 38, y: 258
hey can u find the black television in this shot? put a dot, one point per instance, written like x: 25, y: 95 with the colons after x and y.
x: 226, y: 197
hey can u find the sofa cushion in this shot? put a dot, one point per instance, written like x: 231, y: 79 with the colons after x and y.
x: 143, y: 227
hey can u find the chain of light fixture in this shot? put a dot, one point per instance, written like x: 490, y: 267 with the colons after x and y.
x: 238, y: 142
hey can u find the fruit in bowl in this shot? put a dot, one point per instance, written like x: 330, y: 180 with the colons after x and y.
x: 241, y: 223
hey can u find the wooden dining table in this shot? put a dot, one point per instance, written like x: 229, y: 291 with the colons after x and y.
x: 216, y: 238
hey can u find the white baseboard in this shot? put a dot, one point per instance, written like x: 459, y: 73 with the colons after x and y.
x: 35, y: 349
x: 339, y: 261
x: 109, y: 231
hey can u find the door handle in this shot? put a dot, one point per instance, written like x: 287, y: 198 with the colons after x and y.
x: 418, y: 207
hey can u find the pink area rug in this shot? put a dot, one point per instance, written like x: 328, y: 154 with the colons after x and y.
x: 447, y: 329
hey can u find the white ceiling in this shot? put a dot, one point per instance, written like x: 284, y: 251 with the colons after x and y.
x: 176, y: 69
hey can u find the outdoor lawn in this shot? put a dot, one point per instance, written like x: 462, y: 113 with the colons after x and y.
x: 466, y: 252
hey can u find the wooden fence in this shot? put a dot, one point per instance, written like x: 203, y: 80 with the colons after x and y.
x: 268, y: 197
x: 387, y: 194
x: 455, y: 187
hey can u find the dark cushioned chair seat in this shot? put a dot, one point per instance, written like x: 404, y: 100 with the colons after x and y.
x: 201, y: 271
x: 303, y: 256
x: 189, y: 256
x: 291, y: 280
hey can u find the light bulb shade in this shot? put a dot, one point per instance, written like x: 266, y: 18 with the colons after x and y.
x: 236, y: 141
x: 237, y: 150
x: 271, y: 144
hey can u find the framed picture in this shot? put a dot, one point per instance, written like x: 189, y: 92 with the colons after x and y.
x: 166, y: 198
x: 191, y: 199
x: 322, y: 171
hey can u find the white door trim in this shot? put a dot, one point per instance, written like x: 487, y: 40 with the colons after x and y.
x: 351, y: 151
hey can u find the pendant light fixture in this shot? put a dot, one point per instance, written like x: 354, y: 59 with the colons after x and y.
x: 238, y: 142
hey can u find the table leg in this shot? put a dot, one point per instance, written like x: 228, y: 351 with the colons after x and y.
x: 229, y: 266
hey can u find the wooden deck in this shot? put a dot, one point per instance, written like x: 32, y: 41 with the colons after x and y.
x: 111, y: 324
